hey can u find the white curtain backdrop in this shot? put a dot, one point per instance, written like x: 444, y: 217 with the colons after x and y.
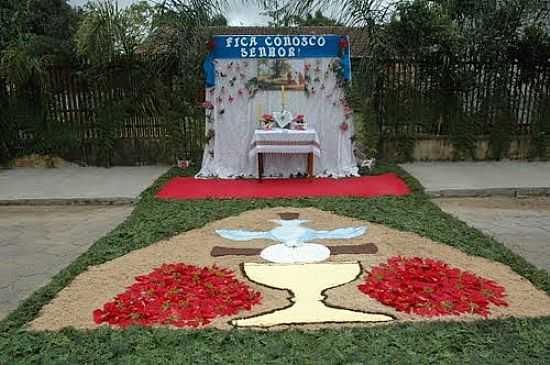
x: 235, y: 117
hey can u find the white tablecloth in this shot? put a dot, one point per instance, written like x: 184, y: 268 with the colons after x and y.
x: 284, y: 141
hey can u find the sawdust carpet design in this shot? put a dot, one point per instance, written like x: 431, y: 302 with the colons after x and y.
x: 74, y: 305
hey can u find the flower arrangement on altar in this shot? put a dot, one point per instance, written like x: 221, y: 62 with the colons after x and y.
x: 299, y: 122
x: 267, y: 122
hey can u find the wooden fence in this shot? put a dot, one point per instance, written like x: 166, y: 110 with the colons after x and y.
x: 73, y: 101
x: 407, y: 104
x: 409, y: 98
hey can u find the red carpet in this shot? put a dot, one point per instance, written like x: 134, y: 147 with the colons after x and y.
x: 191, y: 188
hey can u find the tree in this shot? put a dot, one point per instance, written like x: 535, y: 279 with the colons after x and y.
x: 421, y: 29
x: 50, y: 22
x: 315, y: 20
x: 108, y: 31
x: 360, y: 13
x: 197, y: 12
x: 219, y: 20
x: 53, y: 18
x: 278, y: 11
x: 473, y: 13
x: 11, y: 20
x: 34, y: 34
x: 37, y: 32
x: 19, y: 63
x: 183, y: 26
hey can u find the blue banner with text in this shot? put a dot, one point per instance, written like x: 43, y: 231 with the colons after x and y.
x: 277, y: 46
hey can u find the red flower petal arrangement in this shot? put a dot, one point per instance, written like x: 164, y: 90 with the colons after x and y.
x: 431, y: 288
x: 179, y: 295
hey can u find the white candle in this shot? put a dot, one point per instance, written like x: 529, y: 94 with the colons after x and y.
x: 259, y: 110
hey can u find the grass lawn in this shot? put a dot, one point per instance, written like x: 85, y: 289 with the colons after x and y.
x: 510, y: 341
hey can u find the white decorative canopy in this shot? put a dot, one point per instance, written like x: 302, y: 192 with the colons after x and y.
x: 243, y: 93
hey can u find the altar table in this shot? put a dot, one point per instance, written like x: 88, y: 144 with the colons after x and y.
x: 285, y: 142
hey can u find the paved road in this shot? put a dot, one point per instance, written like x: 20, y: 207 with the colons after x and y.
x: 80, y: 183
x: 523, y: 225
x: 459, y: 179
x: 37, y: 242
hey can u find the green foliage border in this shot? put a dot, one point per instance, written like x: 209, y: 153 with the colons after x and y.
x: 154, y: 219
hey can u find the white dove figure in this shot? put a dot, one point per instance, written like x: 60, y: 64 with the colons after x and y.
x: 295, y: 241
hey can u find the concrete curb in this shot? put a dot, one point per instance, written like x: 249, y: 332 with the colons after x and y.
x: 481, y: 193
x: 70, y: 201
